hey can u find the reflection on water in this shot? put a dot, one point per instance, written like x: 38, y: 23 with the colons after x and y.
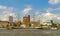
x: 29, y: 32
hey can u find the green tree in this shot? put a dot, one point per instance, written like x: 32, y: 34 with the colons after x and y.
x: 53, y: 24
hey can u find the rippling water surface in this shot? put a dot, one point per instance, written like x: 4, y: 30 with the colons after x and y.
x: 29, y: 32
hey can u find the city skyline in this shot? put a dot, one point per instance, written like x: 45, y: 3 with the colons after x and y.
x: 43, y: 9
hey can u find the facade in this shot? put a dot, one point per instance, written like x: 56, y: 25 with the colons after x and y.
x: 10, y: 19
x: 28, y: 18
x: 19, y: 23
x: 25, y: 19
x: 35, y: 23
x: 4, y: 23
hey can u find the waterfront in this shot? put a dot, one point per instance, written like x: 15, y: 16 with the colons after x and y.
x: 29, y: 32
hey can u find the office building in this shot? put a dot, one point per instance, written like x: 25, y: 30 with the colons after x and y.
x: 25, y: 19
x: 28, y: 18
x: 10, y: 19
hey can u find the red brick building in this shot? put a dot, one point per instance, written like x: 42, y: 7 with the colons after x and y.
x: 4, y: 23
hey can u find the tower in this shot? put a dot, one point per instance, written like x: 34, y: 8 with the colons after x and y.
x: 28, y: 18
x: 10, y: 19
x: 33, y: 18
x: 18, y: 17
x: 25, y: 19
x: 18, y: 22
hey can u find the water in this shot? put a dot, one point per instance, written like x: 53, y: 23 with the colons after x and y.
x: 29, y: 32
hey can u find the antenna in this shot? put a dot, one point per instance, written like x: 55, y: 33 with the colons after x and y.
x: 18, y: 17
x: 33, y: 17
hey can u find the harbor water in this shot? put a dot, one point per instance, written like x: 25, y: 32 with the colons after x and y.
x: 29, y: 32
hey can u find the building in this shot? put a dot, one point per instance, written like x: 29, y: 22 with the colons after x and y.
x: 28, y: 18
x: 25, y: 19
x: 36, y: 23
x: 18, y: 21
x: 10, y: 19
x: 4, y: 23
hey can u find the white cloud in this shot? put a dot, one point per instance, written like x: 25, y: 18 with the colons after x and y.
x: 54, y: 1
x: 3, y: 7
x: 49, y: 10
x: 57, y: 8
x: 26, y: 10
x: 48, y: 16
x: 37, y: 12
x: 6, y: 12
x: 45, y: 17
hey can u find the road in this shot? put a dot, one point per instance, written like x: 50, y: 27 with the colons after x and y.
x: 29, y: 32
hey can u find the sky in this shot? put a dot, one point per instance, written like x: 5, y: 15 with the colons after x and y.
x: 43, y: 10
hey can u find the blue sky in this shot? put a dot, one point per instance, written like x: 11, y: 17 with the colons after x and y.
x: 31, y: 7
x: 35, y: 4
x: 21, y: 4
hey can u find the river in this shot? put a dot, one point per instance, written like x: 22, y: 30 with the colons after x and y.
x: 29, y: 32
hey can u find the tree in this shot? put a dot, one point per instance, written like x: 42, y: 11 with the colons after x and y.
x: 53, y: 24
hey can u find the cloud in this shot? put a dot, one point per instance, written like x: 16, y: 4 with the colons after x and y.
x: 48, y: 10
x: 54, y: 1
x: 46, y: 17
x: 49, y: 15
x: 37, y: 12
x: 3, y: 7
x: 6, y: 12
x: 57, y: 8
x: 26, y: 10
